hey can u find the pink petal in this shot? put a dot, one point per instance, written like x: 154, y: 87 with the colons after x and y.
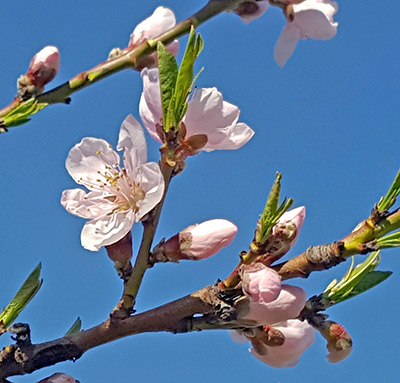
x: 235, y: 137
x: 106, y: 230
x: 262, y: 7
x: 297, y: 217
x: 132, y: 141
x: 88, y: 158
x: 152, y: 183
x: 286, y: 44
x: 44, y: 65
x: 314, y: 23
x: 298, y: 337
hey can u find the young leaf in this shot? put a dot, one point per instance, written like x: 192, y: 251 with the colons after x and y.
x: 75, y: 328
x: 168, y: 72
x: 21, y: 114
x: 391, y: 240
x: 386, y: 202
x: 27, y: 291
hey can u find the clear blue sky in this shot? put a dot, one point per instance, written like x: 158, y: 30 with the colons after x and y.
x: 329, y: 121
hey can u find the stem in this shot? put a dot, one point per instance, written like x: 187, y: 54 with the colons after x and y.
x: 129, y: 59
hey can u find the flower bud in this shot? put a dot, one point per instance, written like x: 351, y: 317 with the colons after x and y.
x: 260, y: 283
x: 59, y: 377
x: 196, y: 242
x: 292, y: 220
x: 42, y: 69
x: 250, y: 10
x: 339, y: 343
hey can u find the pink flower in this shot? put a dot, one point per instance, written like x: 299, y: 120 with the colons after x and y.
x: 207, y: 115
x: 44, y: 66
x: 59, y: 377
x: 310, y: 18
x: 298, y: 337
x: 251, y: 10
x: 159, y: 22
x: 196, y: 242
x: 292, y: 218
x: 117, y: 196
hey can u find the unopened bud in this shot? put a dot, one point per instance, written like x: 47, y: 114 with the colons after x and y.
x: 196, y: 242
x: 292, y: 220
x: 121, y: 253
x: 42, y: 69
x: 59, y: 377
x: 250, y: 10
x: 339, y: 343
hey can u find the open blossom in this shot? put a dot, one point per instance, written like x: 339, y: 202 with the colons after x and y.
x: 118, y: 196
x: 310, y: 18
x: 207, y: 115
x: 196, y: 242
x: 159, y: 22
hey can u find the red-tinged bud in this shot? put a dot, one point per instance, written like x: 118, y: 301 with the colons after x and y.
x: 121, y: 253
x: 42, y: 69
x: 292, y: 220
x: 339, y: 343
x: 59, y: 377
x: 196, y: 242
x: 250, y: 10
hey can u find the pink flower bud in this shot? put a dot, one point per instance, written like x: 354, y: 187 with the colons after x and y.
x: 44, y: 66
x: 294, y: 217
x: 59, y: 377
x: 251, y: 10
x: 260, y: 283
x: 196, y: 242
x: 298, y: 337
x: 339, y: 343
x: 287, y: 305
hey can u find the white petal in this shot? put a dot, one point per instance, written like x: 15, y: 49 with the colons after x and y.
x: 286, y: 43
x: 316, y: 25
x: 90, y: 158
x: 234, y: 138
x: 159, y: 22
x: 132, y: 141
x: 150, y: 102
x: 86, y: 205
x: 106, y: 230
x: 152, y: 183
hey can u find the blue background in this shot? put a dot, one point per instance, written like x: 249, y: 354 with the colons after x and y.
x: 329, y: 121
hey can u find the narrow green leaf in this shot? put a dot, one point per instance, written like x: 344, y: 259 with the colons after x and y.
x: 21, y: 114
x: 391, y: 240
x: 168, y: 72
x: 27, y: 291
x: 75, y: 328
x: 386, y: 202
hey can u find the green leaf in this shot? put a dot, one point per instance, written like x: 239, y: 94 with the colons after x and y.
x: 386, y: 202
x: 356, y: 281
x: 21, y: 114
x: 75, y: 328
x: 391, y: 240
x: 271, y: 211
x: 27, y: 291
x: 168, y: 72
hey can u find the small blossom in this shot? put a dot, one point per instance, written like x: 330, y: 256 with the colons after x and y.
x: 298, y: 337
x: 42, y: 69
x: 251, y: 10
x: 310, y: 18
x: 196, y: 242
x: 117, y: 196
x: 59, y: 377
x: 208, y: 116
x: 159, y: 22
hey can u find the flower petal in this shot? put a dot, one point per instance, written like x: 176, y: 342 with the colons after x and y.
x: 86, y: 205
x: 152, y: 183
x: 106, y: 229
x: 234, y: 138
x: 286, y: 44
x: 132, y: 141
x: 89, y: 159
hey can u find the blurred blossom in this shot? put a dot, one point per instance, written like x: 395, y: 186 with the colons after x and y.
x: 251, y: 10
x: 210, y: 122
x: 196, y: 242
x: 310, y: 18
x: 59, y: 377
x: 118, y: 196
